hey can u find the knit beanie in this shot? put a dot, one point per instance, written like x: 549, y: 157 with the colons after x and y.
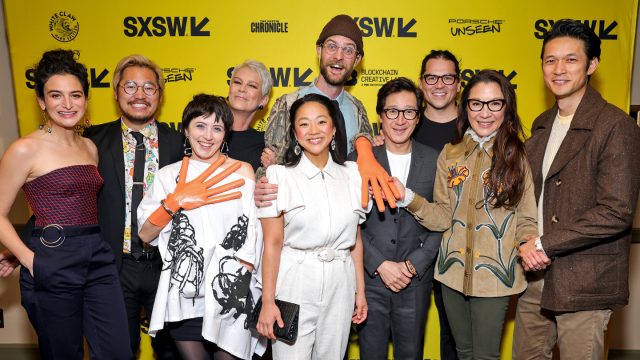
x: 345, y: 26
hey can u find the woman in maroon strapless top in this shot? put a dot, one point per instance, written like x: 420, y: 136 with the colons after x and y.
x: 68, y: 281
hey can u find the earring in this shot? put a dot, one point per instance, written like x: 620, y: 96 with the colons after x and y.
x: 333, y: 143
x: 45, y: 122
x: 222, y: 148
x: 260, y: 107
x: 297, y: 149
x: 87, y: 122
x: 187, y: 147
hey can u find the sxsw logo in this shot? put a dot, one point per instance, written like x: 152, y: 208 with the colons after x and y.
x: 96, y: 78
x: 386, y: 27
x: 602, y: 28
x: 159, y: 26
x: 285, y: 76
x: 467, y: 74
x: 294, y: 76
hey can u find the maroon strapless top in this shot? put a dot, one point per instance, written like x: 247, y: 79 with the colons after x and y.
x: 65, y: 196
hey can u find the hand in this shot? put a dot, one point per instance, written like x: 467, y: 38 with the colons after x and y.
x: 394, y: 275
x: 268, y: 157
x: 361, y: 309
x: 532, y: 260
x: 400, y: 188
x: 373, y: 174
x: 269, y: 314
x: 198, y: 192
x: 8, y: 262
x: 379, y: 140
x: 264, y: 192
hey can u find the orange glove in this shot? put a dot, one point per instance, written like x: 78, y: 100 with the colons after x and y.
x: 197, y: 192
x: 374, y: 175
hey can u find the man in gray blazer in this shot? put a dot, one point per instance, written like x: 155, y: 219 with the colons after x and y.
x: 399, y: 252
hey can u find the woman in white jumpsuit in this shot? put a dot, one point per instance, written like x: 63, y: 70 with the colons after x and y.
x: 312, y: 245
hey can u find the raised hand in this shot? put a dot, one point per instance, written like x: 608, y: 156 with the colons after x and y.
x: 374, y: 175
x: 197, y: 192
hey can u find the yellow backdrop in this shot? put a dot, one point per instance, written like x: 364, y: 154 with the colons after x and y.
x: 197, y: 42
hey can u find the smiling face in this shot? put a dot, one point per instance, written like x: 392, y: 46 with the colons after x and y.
x: 314, y: 130
x: 566, y: 69
x: 138, y: 109
x: 206, y: 135
x: 398, y: 131
x: 440, y: 96
x: 336, y: 68
x: 245, y: 90
x: 485, y: 121
x: 64, y: 100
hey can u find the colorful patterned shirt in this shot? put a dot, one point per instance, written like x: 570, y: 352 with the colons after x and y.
x: 150, y: 133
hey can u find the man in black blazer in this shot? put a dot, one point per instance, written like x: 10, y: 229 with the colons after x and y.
x: 398, y: 252
x: 138, y: 88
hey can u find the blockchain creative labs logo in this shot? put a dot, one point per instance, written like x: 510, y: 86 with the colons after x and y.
x: 269, y: 26
x: 469, y: 27
x: 178, y: 74
x: 63, y: 26
x: 377, y: 77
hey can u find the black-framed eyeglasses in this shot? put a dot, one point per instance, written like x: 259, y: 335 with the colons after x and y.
x: 332, y: 48
x: 447, y: 79
x: 131, y: 87
x: 408, y: 114
x: 494, y: 105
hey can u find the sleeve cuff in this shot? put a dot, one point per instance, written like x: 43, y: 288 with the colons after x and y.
x: 408, y: 198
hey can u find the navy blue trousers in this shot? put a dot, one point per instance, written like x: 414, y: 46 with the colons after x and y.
x: 75, y: 292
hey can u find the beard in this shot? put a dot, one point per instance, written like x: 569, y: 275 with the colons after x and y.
x: 138, y: 119
x: 332, y: 81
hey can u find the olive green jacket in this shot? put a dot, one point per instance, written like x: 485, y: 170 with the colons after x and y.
x: 478, y: 253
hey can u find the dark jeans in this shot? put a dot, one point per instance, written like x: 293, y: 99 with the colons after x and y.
x: 447, y: 344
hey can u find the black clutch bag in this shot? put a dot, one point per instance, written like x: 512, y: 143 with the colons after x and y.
x: 289, y: 313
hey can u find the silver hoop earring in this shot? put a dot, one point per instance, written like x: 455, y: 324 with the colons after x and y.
x: 187, y: 147
x: 224, y: 149
x: 297, y: 149
x: 333, y: 143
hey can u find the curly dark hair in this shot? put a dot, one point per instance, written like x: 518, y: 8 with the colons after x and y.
x: 57, y: 62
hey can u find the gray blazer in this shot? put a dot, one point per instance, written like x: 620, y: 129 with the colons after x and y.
x: 394, y: 234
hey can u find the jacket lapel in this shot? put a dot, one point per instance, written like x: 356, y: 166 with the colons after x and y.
x: 116, y: 153
x: 579, y: 131
x: 414, y: 168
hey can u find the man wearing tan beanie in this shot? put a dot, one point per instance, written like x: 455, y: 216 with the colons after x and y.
x: 339, y: 49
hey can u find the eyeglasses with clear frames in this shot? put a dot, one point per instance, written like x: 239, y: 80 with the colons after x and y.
x: 494, y: 105
x: 332, y: 48
x: 447, y: 79
x: 131, y: 87
x: 408, y: 114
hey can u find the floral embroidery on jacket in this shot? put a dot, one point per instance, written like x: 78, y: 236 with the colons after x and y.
x: 505, y: 271
x: 456, y: 177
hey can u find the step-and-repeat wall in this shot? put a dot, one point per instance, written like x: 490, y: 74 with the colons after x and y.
x: 198, y: 42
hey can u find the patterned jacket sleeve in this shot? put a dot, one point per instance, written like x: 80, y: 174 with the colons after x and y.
x: 364, y: 127
x: 277, y: 130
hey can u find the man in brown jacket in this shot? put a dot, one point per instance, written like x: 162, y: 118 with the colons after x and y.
x: 584, y: 160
